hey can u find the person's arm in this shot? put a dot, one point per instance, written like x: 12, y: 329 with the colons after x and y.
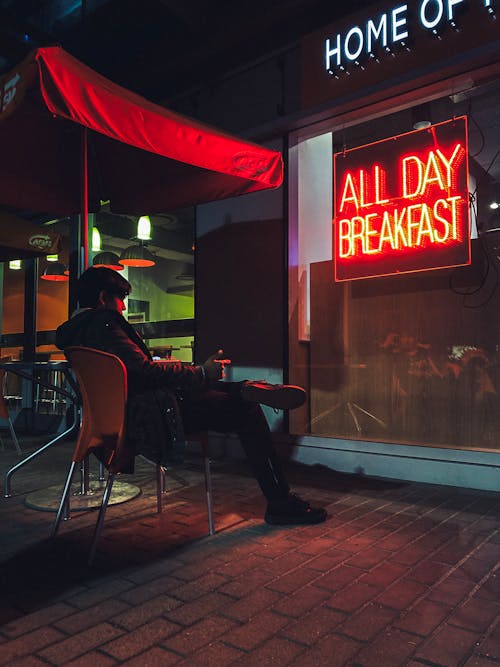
x: 144, y: 373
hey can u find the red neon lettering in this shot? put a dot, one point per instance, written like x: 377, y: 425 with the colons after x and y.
x: 407, y: 227
x: 364, y: 190
x: 402, y: 203
x: 418, y: 175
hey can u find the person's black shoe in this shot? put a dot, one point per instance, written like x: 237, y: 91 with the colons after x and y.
x: 293, y: 511
x: 278, y: 396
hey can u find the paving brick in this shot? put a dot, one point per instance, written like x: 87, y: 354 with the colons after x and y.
x: 75, y: 646
x: 29, y: 643
x: 197, y: 569
x: 95, y: 595
x: 36, y: 619
x: 428, y: 572
x: 401, y: 594
x: 480, y: 661
x: 247, y: 583
x: 423, y: 618
x: 191, y: 612
x: 473, y: 569
x: 81, y: 620
x: 357, y: 543
x: 368, y: 558
x: 490, y: 587
x: 214, y: 655
x: 145, y: 612
x: 451, y: 590
x: 138, y: 594
x: 318, y: 546
x: 450, y: 646
x: 352, y: 597
x: 391, y: 649
x: 240, y: 565
x: 327, y: 561
x: 254, y: 603
x: 314, y: 625
x: 198, y: 587
x: 28, y: 661
x: 368, y: 622
x: 475, y: 614
x: 290, y: 582
x: 141, y: 638
x: 263, y: 626
x: 339, y: 577
x: 200, y: 634
x: 92, y: 659
x: 274, y: 652
x: 301, y: 601
x: 410, y: 555
x: 284, y: 564
x: 332, y: 651
x: 490, y: 645
x: 154, y: 657
x: 384, y: 574
x: 149, y: 571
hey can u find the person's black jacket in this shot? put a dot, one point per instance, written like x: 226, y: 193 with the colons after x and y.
x: 154, y: 427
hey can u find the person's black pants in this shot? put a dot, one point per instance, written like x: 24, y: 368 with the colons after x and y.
x: 223, y: 410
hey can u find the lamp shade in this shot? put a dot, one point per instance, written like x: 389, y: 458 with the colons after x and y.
x: 137, y: 255
x: 109, y: 260
x: 55, y: 271
x: 144, y: 228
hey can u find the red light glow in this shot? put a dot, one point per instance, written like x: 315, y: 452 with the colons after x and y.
x: 401, y: 204
x: 137, y: 262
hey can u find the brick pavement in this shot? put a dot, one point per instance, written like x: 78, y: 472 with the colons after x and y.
x: 400, y: 574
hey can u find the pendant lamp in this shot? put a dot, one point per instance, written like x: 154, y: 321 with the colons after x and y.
x: 144, y: 228
x: 137, y: 255
x: 96, y: 240
x: 55, y: 271
x: 108, y: 260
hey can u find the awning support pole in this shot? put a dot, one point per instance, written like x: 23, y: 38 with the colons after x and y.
x: 85, y: 201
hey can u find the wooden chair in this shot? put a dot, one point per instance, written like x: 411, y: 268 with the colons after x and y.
x: 102, y: 376
x: 4, y: 413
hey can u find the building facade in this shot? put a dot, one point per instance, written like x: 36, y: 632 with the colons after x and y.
x: 371, y: 278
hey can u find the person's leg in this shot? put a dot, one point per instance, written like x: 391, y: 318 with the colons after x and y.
x: 225, y: 411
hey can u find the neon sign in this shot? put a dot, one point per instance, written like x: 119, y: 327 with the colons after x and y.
x: 402, y: 204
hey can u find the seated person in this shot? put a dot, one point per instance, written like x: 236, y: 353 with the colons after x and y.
x: 166, y: 400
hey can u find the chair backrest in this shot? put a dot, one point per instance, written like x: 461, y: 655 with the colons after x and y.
x: 102, y: 379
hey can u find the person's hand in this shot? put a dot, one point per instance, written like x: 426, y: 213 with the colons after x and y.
x: 213, y: 369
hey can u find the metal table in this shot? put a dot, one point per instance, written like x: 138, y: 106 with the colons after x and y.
x: 33, y: 371
x: 48, y: 499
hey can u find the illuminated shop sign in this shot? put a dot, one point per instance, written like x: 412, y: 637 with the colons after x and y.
x: 402, y: 204
x: 392, y: 30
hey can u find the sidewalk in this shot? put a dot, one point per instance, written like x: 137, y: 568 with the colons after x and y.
x: 400, y: 574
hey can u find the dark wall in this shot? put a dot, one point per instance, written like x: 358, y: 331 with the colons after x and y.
x: 239, y: 293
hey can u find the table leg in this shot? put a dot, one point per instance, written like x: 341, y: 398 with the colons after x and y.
x: 35, y: 454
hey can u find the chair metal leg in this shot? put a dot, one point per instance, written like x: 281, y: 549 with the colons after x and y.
x: 100, y: 518
x: 160, y: 486
x: 14, y: 436
x: 62, y: 512
x: 208, y: 486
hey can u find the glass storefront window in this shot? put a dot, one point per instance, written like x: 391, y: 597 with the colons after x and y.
x: 161, y: 304
x: 409, y: 358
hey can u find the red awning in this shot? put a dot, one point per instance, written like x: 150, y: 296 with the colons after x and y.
x: 141, y: 157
